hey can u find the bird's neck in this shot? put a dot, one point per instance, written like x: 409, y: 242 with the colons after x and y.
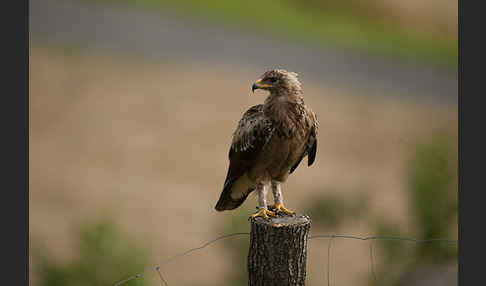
x: 280, y: 97
x: 283, y: 107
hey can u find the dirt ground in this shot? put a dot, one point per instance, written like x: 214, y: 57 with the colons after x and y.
x: 147, y: 142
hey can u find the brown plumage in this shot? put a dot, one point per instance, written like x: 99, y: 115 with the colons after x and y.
x: 269, y: 143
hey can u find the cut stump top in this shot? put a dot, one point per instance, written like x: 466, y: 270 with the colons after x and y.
x: 284, y: 220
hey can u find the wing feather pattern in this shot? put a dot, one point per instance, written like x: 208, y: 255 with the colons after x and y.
x: 254, y: 130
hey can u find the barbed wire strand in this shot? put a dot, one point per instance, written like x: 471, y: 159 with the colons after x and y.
x: 170, y: 259
x: 382, y: 238
x: 331, y: 236
x: 204, y: 245
x: 372, y: 263
x: 329, y: 261
x: 160, y: 275
x: 374, y: 238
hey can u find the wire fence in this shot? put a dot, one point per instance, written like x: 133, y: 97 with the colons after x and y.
x: 331, y: 238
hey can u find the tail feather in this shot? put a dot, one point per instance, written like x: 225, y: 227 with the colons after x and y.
x: 226, y: 201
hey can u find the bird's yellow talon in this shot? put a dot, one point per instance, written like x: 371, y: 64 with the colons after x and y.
x: 265, y: 213
x: 280, y: 208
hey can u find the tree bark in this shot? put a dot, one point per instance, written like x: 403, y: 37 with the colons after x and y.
x: 278, y: 251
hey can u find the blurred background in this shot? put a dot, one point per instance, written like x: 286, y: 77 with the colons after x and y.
x: 132, y: 108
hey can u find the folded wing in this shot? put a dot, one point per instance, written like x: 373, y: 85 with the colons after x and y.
x: 311, y: 144
x: 254, y: 130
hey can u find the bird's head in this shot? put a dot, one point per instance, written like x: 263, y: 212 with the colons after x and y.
x: 279, y: 82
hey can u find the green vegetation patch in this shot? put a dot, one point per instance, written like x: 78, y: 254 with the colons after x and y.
x: 104, y: 257
x: 347, y: 25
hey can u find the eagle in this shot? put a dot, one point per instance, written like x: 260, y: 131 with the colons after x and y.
x: 269, y: 143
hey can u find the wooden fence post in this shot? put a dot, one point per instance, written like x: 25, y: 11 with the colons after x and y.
x: 278, y: 251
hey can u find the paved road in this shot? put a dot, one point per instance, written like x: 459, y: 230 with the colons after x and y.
x: 167, y: 37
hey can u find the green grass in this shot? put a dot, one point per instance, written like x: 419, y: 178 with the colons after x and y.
x: 349, y: 27
x: 105, y: 255
x: 432, y: 193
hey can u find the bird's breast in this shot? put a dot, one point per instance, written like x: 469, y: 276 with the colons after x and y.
x: 287, y: 143
x: 278, y: 156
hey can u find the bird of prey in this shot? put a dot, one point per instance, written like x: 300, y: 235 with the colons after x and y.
x: 269, y: 143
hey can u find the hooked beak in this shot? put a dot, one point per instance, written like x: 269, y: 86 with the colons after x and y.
x: 259, y: 85
x: 253, y: 87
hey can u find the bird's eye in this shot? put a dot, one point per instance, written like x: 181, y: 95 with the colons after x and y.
x: 272, y: 79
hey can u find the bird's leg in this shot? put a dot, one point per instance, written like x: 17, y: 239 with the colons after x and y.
x: 278, y: 198
x: 263, y: 211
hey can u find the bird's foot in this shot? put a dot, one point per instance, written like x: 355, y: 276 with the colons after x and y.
x: 279, y: 207
x: 264, y: 213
